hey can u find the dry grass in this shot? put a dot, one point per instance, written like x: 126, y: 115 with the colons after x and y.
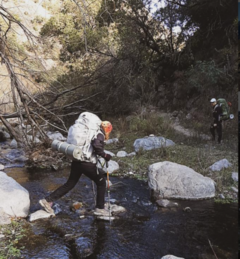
x: 189, y: 151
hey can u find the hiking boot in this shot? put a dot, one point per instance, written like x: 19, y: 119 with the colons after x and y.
x: 101, y: 212
x: 47, y: 206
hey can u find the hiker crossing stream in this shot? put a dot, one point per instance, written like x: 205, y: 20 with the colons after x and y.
x: 143, y: 231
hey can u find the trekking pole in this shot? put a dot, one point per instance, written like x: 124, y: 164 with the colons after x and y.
x: 94, y: 194
x: 108, y: 190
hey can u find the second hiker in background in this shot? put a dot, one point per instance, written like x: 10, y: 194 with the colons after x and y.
x: 217, y: 120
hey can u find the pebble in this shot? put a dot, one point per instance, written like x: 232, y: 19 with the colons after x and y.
x: 187, y: 209
x: 221, y: 196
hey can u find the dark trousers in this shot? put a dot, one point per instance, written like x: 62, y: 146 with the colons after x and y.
x: 77, y: 169
x: 218, y: 128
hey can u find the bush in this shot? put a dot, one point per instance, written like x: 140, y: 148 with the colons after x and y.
x: 202, y: 76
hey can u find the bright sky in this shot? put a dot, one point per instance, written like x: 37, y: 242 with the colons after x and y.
x: 156, y: 4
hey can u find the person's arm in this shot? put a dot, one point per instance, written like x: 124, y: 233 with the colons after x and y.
x: 98, y: 146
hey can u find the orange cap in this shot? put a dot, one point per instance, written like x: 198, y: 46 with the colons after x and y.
x: 107, y: 127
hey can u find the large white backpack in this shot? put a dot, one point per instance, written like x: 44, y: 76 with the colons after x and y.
x: 85, y: 129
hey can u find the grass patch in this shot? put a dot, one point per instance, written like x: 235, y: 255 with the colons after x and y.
x: 193, y: 152
x: 13, y: 234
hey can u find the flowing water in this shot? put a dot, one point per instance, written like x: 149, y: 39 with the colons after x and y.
x: 144, y: 231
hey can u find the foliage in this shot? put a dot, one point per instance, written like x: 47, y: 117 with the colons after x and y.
x: 114, y: 56
x: 13, y: 233
x: 204, y: 75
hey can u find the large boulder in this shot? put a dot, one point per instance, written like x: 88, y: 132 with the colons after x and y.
x: 14, y: 198
x: 152, y: 142
x: 171, y: 180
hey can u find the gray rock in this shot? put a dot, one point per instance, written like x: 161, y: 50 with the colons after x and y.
x: 132, y: 154
x: 7, y: 135
x: 4, y: 218
x: 14, y: 198
x: 219, y: 165
x: 188, y: 116
x: 175, y: 114
x: 2, y: 167
x: 149, y: 143
x: 111, y: 141
x: 115, y: 208
x: 56, y: 135
x: 166, y: 203
x: 21, y: 159
x: 108, y: 152
x: 221, y: 196
x: 171, y: 180
x: 171, y: 257
x: 112, y: 166
x: 3, y: 134
x: 84, y: 247
x: 187, y: 209
x: 40, y: 214
x: 121, y: 154
x: 235, y: 176
x: 234, y: 189
x: 14, y: 144
x: 106, y: 218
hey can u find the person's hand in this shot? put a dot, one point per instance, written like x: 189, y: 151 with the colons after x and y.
x: 215, y: 125
x: 107, y: 157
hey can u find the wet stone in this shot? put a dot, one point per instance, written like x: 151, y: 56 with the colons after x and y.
x: 115, y: 208
x: 171, y: 257
x: 40, y: 214
x: 56, y: 208
x: 106, y: 218
x: 148, y: 203
x: 81, y: 211
x: 166, y: 203
x: 76, y: 206
x: 187, y: 209
x: 84, y: 247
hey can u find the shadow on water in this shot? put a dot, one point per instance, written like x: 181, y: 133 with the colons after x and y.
x: 144, y: 231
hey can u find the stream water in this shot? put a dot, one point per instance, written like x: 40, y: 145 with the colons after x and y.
x: 144, y: 231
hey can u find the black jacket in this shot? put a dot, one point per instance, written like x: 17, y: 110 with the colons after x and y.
x: 98, y: 145
x: 217, y: 112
